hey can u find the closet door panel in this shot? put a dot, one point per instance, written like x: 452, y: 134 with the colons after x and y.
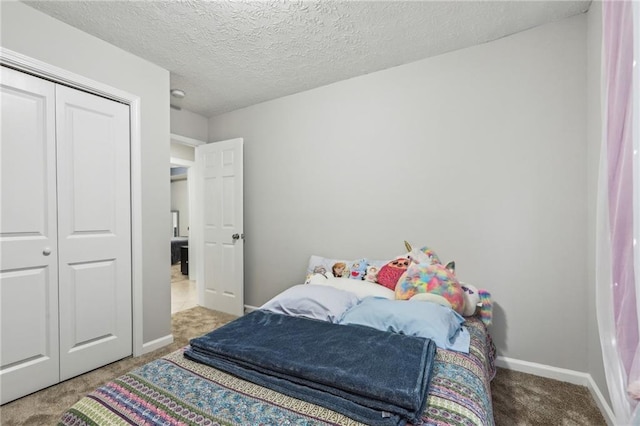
x: 29, y: 353
x: 94, y: 231
x: 94, y: 296
x: 26, y: 288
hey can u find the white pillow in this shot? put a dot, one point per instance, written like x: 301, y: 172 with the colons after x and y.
x: 361, y: 288
x: 312, y: 301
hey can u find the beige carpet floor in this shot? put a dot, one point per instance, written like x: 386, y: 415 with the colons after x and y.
x: 521, y: 399
x: 518, y: 398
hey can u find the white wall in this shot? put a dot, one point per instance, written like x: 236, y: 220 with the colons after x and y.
x: 34, y: 34
x: 180, y: 202
x: 594, y: 138
x: 479, y: 153
x: 189, y: 124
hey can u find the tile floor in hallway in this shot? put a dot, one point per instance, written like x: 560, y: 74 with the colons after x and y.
x: 183, y: 291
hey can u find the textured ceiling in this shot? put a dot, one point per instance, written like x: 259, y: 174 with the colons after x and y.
x: 230, y: 54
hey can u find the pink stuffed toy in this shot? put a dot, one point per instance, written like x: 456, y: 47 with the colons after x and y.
x: 389, y: 274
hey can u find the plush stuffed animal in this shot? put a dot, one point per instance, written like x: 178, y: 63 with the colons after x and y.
x: 390, y: 273
x: 435, y: 279
x: 475, y: 299
x: 358, y: 269
x: 430, y: 297
x: 423, y: 255
x: 471, y: 299
x: 427, y: 279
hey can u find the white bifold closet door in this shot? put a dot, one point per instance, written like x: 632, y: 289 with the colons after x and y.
x: 65, y: 233
x: 94, y: 231
x: 29, y: 354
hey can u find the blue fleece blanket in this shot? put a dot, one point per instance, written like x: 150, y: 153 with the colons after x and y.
x: 372, y: 376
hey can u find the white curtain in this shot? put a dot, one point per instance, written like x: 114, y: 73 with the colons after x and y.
x: 618, y: 216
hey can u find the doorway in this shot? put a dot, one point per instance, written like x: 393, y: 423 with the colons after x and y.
x: 183, y: 285
x: 215, y: 182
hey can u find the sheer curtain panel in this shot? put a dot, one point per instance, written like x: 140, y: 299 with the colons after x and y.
x: 618, y: 215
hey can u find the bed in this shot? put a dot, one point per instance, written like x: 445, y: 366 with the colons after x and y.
x: 179, y: 388
x: 176, y: 243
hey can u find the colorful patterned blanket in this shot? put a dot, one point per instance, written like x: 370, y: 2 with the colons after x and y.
x: 174, y: 390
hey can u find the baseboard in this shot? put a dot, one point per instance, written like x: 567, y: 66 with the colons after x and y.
x: 156, y: 344
x: 605, y: 409
x: 249, y: 308
x: 563, y: 375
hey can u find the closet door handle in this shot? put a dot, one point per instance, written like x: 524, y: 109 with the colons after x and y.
x: 46, y: 251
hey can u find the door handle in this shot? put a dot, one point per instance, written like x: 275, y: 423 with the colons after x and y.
x: 46, y: 251
x: 236, y: 236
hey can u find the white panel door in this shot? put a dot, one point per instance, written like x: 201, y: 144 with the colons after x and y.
x: 29, y: 256
x: 220, y: 238
x: 94, y: 224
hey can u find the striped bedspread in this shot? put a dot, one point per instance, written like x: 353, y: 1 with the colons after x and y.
x: 174, y: 390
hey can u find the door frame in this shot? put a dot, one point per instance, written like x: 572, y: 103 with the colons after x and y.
x: 41, y: 69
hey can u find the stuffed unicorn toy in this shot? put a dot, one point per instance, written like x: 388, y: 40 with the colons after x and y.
x: 428, y: 279
x: 435, y: 280
x: 474, y: 299
x: 423, y: 255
